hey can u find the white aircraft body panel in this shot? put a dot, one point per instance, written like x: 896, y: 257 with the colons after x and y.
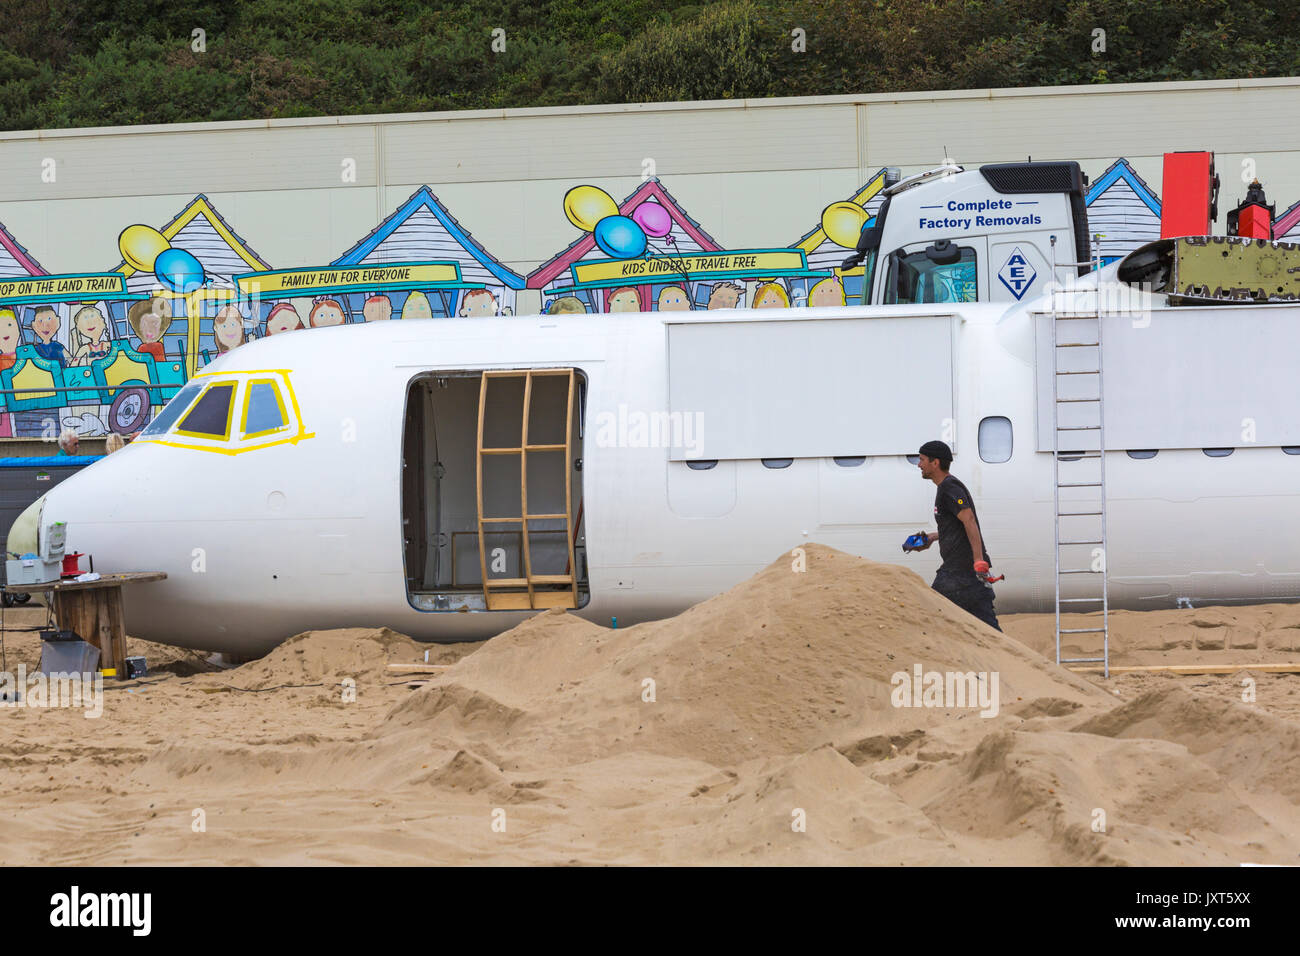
x: 271, y: 541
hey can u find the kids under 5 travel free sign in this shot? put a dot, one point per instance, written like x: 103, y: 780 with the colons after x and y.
x: 1017, y: 274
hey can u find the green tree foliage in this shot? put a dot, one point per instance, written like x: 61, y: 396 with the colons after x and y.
x: 118, y: 62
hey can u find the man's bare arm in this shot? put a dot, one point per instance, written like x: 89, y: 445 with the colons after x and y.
x: 967, y: 518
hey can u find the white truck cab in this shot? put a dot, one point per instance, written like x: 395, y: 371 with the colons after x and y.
x: 985, y: 235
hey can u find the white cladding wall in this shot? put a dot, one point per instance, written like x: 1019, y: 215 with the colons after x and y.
x: 753, y: 173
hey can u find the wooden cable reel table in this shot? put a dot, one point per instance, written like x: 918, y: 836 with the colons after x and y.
x: 93, y: 609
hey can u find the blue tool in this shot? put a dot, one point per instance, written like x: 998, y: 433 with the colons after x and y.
x: 916, y: 542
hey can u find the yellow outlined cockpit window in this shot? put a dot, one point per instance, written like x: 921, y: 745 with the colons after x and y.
x: 264, y: 412
x: 211, y: 415
x: 268, y: 413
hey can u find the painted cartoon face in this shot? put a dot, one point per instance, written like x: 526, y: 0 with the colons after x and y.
x: 8, y: 332
x: 283, y: 318
x: 151, y: 327
x: 227, y: 327
x: 90, y: 322
x: 768, y: 299
x: 326, y: 313
x: 826, y: 293
x: 724, y: 297
x: 46, y: 325
x: 625, y: 301
x: 479, y: 304
x: 377, y: 308
x: 673, y: 299
x: 416, y: 307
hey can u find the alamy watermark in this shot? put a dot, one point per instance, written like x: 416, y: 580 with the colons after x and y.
x: 946, y: 689
x: 56, y: 689
x: 633, y: 428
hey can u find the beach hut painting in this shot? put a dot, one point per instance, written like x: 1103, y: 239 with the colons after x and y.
x: 201, y: 231
x: 422, y: 230
x: 15, y: 262
x: 824, y: 252
x: 1287, y: 225
x: 1123, y: 209
x: 647, y: 254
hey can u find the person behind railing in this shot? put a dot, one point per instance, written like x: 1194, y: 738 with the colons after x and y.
x: 114, y: 443
x: 69, y: 441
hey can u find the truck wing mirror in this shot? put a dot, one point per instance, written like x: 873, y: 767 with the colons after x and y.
x: 943, y: 252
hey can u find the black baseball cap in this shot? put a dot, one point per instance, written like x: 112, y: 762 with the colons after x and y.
x: 936, y: 449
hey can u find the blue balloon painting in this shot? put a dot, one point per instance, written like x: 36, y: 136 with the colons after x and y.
x: 619, y: 237
x: 179, y: 271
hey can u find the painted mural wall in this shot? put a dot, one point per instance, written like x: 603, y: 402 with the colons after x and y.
x: 100, y: 351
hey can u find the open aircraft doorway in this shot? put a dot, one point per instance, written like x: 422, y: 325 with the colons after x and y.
x: 492, y: 490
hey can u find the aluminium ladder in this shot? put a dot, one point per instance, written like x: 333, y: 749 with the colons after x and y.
x: 1086, y: 519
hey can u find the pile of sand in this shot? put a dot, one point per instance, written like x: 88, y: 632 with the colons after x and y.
x: 757, y: 726
x: 325, y: 659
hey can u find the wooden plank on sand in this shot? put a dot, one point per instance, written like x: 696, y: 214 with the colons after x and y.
x: 418, y: 668
x: 1196, y: 669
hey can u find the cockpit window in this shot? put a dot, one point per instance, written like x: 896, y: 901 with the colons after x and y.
x: 172, y: 411
x: 264, y: 412
x: 210, y: 416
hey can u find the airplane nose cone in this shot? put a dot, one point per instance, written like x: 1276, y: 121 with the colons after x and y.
x: 24, y: 532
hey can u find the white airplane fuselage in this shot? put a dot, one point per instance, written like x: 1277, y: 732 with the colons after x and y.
x: 264, y: 543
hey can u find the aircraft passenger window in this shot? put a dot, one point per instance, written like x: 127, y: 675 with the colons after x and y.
x: 915, y: 278
x: 1291, y: 449
x: 913, y: 459
x: 1217, y: 452
x: 1142, y: 454
x: 172, y: 411
x: 264, y: 412
x: 703, y: 465
x: 210, y: 416
x: 995, y: 439
x: 852, y: 462
x: 777, y: 462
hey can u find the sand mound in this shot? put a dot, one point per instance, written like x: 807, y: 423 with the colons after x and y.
x: 1155, y: 803
x: 779, y: 665
x: 1246, y: 745
x: 325, y: 657
x: 759, y: 726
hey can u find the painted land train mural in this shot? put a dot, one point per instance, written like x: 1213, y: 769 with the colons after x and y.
x: 101, y: 352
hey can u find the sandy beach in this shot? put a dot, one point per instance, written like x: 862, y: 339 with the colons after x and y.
x: 767, y: 725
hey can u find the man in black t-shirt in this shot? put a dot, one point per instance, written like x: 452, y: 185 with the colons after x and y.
x: 959, y: 538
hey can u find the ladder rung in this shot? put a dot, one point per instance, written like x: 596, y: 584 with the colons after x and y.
x: 552, y: 579
x: 543, y: 517
x: 1079, y: 484
x: 506, y: 582
x: 498, y: 520
x: 500, y: 451
x: 1082, y: 630
x: 559, y: 447
x: 1079, y: 600
x: 1083, y: 660
x: 1078, y: 571
x: 1079, y: 542
x: 1086, y: 371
